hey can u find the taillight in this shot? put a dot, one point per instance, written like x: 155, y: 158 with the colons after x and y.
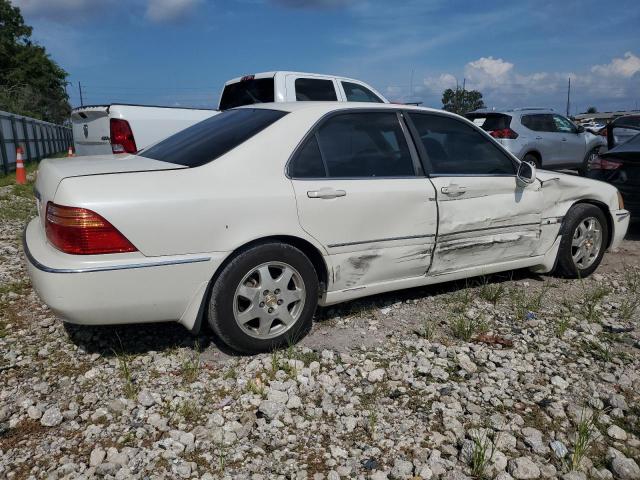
x: 82, y: 232
x: 122, y: 140
x: 503, y: 133
x: 600, y: 163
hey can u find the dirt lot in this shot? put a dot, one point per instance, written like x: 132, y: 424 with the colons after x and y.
x: 512, y: 376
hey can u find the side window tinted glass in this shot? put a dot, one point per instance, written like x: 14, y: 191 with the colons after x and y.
x: 365, y: 145
x: 308, y: 161
x: 539, y: 123
x: 454, y: 147
x: 358, y: 93
x: 315, y: 89
x: 563, y: 124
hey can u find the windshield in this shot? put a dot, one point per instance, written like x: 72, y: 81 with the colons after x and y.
x: 213, y: 137
x: 247, y: 92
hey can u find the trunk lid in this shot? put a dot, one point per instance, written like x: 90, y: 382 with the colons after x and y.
x: 53, y: 170
x: 91, y: 131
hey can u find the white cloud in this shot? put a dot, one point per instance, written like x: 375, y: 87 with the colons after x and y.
x: 161, y: 11
x: 63, y: 10
x: 503, y: 85
x: 619, y: 67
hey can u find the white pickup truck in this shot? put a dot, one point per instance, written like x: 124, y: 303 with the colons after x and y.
x: 124, y: 128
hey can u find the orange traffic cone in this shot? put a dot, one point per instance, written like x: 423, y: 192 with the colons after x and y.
x: 21, y: 174
x: 70, y: 152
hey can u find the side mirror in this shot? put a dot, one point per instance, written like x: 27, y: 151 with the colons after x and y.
x: 580, y: 129
x: 526, y: 173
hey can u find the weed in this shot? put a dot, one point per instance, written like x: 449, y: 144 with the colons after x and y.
x: 372, y: 422
x: 524, y: 301
x: 280, y: 363
x: 465, y: 328
x: 591, y: 299
x: 628, y: 309
x: 632, y: 279
x: 256, y: 387
x: 491, y: 292
x: 482, y: 454
x: 426, y: 330
x: 129, y: 387
x: 191, y: 366
x: 189, y: 411
x: 586, y: 433
x: 562, y: 325
x: 598, y: 350
x: 231, y: 373
x: 460, y: 300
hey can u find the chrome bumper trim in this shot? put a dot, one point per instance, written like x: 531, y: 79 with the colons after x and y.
x: 127, y: 266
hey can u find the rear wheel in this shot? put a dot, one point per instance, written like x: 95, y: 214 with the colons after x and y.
x: 533, y: 159
x: 588, y: 161
x: 264, y: 298
x: 584, y: 238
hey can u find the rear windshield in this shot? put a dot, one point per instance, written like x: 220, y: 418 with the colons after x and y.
x: 213, y: 137
x: 490, y: 121
x: 247, y: 92
x: 633, y: 122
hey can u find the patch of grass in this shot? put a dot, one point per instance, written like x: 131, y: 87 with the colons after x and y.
x: 280, y: 362
x: 129, y: 387
x: 465, y: 329
x: 525, y: 300
x: 599, y: 350
x: 562, y: 325
x: 189, y: 411
x: 632, y: 279
x: 191, y: 366
x: 426, y: 330
x: 591, y: 300
x: 628, y: 309
x: 460, y: 300
x: 482, y: 455
x: 491, y: 292
x: 586, y: 433
x: 20, y: 287
x: 256, y: 387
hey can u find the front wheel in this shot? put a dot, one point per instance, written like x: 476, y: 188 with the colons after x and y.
x: 264, y: 298
x: 585, y: 234
x: 532, y: 159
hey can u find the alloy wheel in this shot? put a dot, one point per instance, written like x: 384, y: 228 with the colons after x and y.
x: 586, y: 243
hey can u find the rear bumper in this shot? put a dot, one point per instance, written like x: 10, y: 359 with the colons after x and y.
x: 117, y: 288
x: 620, y: 226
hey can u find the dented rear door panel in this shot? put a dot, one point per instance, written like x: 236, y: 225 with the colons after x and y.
x: 485, y: 221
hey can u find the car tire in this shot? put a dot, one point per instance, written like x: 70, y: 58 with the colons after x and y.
x: 531, y: 158
x: 264, y: 298
x: 586, y: 163
x: 581, y: 249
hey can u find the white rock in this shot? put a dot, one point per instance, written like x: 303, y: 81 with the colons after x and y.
x: 617, y: 433
x: 376, y: 375
x: 523, y: 468
x: 51, y: 417
x: 146, y: 399
x: 625, y: 468
x: 97, y: 456
x: 559, y: 382
x: 34, y: 413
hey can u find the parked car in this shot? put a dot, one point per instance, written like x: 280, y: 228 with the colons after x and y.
x: 275, y: 208
x: 620, y: 167
x: 540, y: 136
x: 123, y: 128
x: 621, y: 130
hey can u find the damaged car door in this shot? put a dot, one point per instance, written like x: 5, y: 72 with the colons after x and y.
x: 361, y: 193
x: 486, y: 216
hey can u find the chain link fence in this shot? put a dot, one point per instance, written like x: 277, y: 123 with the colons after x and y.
x: 38, y: 139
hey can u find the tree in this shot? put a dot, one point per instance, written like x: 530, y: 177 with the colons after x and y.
x: 31, y: 83
x: 592, y: 110
x: 461, y: 101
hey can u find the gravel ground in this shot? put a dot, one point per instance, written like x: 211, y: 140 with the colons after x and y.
x: 513, y: 376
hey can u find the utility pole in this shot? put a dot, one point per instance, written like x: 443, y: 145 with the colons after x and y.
x: 569, y: 97
x: 80, y: 88
x: 411, y: 85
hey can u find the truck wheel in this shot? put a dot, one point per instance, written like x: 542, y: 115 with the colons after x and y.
x: 588, y: 160
x: 264, y: 298
x: 531, y: 158
x: 585, y: 235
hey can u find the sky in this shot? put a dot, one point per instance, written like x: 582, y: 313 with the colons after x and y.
x: 518, y: 53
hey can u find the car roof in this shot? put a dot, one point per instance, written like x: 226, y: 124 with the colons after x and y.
x: 275, y: 73
x: 328, y: 107
x: 510, y: 111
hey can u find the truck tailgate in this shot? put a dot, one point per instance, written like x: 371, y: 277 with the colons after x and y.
x: 91, y: 133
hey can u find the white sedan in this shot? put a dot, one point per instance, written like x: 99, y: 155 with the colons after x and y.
x: 253, y: 217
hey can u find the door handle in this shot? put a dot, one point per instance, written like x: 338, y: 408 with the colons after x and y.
x: 564, y: 139
x: 326, y: 193
x: 538, y: 138
x: 453, y: 190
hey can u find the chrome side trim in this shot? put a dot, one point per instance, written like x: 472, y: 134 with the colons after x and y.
x: 622, y: 215
x: 491, y: 228
x: 391, y: 239
x: 129, y: 266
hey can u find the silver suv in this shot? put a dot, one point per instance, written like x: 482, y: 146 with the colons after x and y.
x: 541, y: 136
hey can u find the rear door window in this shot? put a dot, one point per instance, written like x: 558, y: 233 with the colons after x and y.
x: 207, y: 140
x: 247, y: 92
x: 358, y: 93
x: 539, y: 122
x: 315, y: 89
x: 490, y: 121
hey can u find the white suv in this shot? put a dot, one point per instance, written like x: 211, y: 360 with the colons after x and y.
x: 540, y: 136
